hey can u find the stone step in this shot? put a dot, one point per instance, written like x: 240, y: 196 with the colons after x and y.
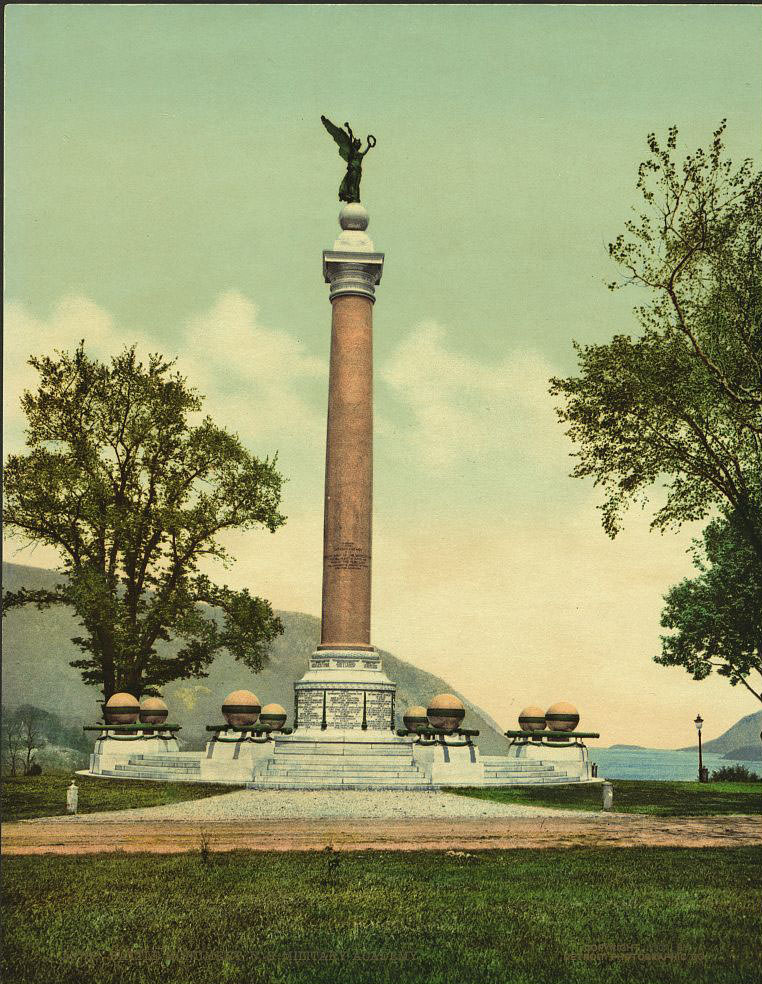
x: 156, y: 771
x: 172, y: 755
x: 163, y: 775
x: 310, y: 749
x: 518, y: 766
x: 167, y: 763
x: 313, y: 762
x: 318, y: 765
x: 360, y: 774
x: 184, y: 767
x: 174, y: 759
x: 525, y: 772
x: 306, y: 784
x: 521, y: 776
x: 504, y: 761
x: 340, y: 750
x: 532, y: 781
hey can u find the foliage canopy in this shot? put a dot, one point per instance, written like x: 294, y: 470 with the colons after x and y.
x: 681, y: 405
x: 133, y: 488
x: 716, y: 617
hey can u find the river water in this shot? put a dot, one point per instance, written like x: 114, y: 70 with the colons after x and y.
x: 657, y: 763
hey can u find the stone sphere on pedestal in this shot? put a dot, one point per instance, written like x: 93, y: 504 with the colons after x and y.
x: 532, y: 718
x: 241, y: 709
x: 353, y: 219
x: 562, y: 716
x: 153, y: 710
x: 354, y: 216
x: 121, y: 709
x: 445, y: 712
x: 272, y: 717
x: 415, y: 718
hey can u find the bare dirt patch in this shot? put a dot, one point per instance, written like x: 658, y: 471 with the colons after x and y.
x: 171, y: 836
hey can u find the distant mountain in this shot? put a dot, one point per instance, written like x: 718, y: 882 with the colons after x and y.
x: 624, y: 747
x: 746, y: 753
x: 37, y: 649
x: 743, y: 736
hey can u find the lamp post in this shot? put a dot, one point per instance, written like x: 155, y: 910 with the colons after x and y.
x: 698, y: 722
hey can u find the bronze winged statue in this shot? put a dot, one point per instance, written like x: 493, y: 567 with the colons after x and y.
x: 349, y: 148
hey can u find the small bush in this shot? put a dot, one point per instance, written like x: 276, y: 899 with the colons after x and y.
x: 735, y: 773
x: 35, y: 769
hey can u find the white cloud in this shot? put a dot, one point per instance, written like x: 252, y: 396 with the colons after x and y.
x: 457, y: 407
x: 72, y: 319
x: 256, y: 378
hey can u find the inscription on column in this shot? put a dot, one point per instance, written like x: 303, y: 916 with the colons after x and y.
x: 378, y: 710
x: 344, y: 709
x: 310, y: 708
x: 347, y: 556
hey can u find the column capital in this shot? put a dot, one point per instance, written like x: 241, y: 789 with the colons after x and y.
x: 352, y: 273
x: 353, y: 266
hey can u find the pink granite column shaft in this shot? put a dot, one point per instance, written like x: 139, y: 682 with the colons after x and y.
x: 349, y: 477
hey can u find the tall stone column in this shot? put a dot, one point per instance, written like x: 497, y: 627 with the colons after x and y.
x: 349, y: 460
x: 345, y: 687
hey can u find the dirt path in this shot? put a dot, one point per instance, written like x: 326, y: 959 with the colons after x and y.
x: 96, y: 836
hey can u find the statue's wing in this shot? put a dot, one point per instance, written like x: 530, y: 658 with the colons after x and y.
x: 340, y: 136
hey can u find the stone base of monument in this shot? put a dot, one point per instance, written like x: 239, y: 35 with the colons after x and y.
x: 336, y: 759
x: 344, y: 689
x: 344, y: 740
x: 116, y: 747
x: 233, y: 754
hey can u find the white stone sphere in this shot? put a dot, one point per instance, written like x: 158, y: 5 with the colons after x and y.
x: 354, y: 216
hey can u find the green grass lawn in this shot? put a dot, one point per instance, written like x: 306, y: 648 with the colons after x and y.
x: 663, y: 799
x: 25, y: 797
x: 570, y: 916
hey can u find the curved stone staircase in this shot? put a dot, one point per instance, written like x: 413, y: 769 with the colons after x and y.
x: 341, y: 765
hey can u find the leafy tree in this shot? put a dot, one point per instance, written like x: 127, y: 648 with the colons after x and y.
x: 717, y: 616
x: 133, y: 488
x: 681, y: 405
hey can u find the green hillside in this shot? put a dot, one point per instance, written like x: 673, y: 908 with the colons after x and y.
x: 37, y: 649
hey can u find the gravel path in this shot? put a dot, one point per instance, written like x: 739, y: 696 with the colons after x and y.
x: 257, y: 804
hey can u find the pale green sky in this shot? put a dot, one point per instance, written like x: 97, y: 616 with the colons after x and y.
x: 168, y: 181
